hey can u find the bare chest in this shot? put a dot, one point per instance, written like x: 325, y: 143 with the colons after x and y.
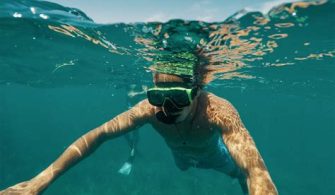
x: 197, y: 136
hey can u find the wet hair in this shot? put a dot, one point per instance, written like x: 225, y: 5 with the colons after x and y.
x: 198, y: 79
x: 171, y: 80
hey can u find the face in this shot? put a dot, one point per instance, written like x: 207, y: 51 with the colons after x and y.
x: 174, y: 101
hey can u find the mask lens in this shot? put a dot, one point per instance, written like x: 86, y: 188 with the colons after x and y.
x: 179, y: 97
x: 155, y: 97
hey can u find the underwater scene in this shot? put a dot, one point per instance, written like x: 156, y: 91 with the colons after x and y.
x: 62, y: 74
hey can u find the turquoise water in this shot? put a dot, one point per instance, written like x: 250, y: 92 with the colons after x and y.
x: 62, y: 75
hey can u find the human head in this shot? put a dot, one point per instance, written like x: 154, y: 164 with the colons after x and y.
x: 170, y: 112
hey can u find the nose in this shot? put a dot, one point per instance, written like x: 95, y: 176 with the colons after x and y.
x: 170, y: 107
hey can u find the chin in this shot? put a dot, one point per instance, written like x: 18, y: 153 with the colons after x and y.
x: 180, y: 119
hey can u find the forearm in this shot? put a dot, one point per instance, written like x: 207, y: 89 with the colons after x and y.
x: 76, y: 152
x: 87, y: 143
x: 260, y: 183
x: 84, y: 146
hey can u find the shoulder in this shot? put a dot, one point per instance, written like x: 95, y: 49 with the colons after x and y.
x: 217, y: 104
x: 220, y: 111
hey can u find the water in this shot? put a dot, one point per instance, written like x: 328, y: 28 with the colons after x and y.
x: 62, y: 74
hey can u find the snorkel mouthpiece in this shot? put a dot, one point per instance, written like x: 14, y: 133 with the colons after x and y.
x: 167, y: 119
x: 170, y: 107
x: 165, y: 115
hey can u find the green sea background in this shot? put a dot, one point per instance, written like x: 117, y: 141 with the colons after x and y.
x: 56, y: 84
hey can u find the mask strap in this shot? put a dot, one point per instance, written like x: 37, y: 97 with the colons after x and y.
x: 194, y: 92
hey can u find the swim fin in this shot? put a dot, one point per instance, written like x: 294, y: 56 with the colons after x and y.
x: 126, y: 168
x: 128, y: 165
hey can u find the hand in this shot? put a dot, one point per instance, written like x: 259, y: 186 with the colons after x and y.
x: 23, y: 188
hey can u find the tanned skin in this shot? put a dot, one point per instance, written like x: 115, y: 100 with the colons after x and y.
x: 208, y: 115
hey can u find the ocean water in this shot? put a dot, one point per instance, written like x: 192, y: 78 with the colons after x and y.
x: 62, y: 74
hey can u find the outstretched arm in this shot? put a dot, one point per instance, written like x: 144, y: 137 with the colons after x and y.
x: 84, y: 146
x: 243, y: 150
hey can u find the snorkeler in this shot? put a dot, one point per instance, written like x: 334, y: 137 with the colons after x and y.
x: 132, y: 138
x: 202, y: 130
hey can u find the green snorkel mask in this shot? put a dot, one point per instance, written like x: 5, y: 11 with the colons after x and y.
x: 172, y: 100
x: 180, y: 96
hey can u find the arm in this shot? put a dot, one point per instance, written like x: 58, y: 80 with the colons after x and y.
x: 84, y: 146
x: 244, y: 151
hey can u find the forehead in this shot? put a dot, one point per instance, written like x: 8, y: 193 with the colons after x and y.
x: 173, y: 84
x: 168, y: 80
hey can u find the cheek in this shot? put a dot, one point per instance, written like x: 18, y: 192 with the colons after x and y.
x: 186, y: 110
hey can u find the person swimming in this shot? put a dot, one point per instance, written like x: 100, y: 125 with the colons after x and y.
x: 201, y: 129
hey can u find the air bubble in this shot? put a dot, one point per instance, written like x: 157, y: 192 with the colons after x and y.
x: 43, y: 16
x: 33, y: 10
x: 17, y: 15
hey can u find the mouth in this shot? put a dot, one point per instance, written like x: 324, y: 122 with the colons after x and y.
x: 174, y: 113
